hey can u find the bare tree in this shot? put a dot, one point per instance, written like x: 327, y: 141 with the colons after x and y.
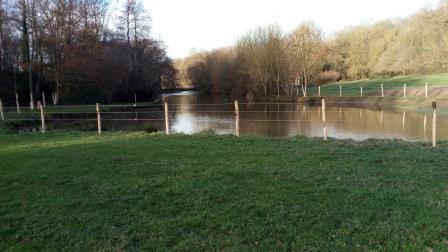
x: 260, y: 52
x: 305, y: 47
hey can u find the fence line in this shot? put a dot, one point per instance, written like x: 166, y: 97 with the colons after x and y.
x: 161, y: 106
x: 322, y: 115
x: 199, y: 104
x: 320, y: 90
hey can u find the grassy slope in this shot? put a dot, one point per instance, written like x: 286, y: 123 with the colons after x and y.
x: 139, y: 191
x: 352, y: 88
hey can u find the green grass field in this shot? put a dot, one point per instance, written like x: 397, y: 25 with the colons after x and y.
x: 79, y: 191
x: 352, y: 88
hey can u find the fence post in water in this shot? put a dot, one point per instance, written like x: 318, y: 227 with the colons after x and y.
x: 340, y: 90
x: 17, y: 103
x: 361, y: 91
x: 98, y: 114
x: 434, y: 123
x: 382, y: 90
x: 404, y: 119
x: 426, y: 90
x: 324, y: 119
x: 2, y: 116
x: 319, y: 91
x: 381, y: 117
x: 237, y: 119
x: 42, y: 116
x: 167, y: 119
x: 424, y: 124
x: 404, y: 91
x: 43, y: 100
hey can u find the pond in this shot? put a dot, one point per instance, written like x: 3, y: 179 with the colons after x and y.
x: 188, y: 116
x: 191, y: 113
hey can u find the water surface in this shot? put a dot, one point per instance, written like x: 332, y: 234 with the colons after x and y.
x: 191, y: 113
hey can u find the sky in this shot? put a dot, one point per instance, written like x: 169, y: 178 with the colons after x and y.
x: 187, y: 25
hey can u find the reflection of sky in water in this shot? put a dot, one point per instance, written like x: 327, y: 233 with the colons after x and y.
x: 190, y: 123
x: 345, y: 123
x: 184, y: 123
x: 196, y: 113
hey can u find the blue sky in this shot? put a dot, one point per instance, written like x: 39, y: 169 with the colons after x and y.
x: 207, y: 24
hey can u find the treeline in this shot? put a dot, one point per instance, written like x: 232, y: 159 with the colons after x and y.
x: 77, y: 49
x: 269, y: 62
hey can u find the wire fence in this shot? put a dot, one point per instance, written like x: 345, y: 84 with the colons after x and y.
x: 380, y: 90
x: 233, y: 113
x: 230, y: 114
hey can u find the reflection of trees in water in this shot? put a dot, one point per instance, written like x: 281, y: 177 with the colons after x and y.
x: 276, y: 119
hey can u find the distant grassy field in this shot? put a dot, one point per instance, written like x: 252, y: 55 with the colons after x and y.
x: 373, y: 86
x: 137, y: 191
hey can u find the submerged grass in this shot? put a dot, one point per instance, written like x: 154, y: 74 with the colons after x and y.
x: 79, y: 191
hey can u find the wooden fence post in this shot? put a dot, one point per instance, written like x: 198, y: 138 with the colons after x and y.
x: 361, y: 92
x: 340, y: 90
x: 167, y: 119
x: 98, y: 114
x: 43, y: 100
x: 381, y: 117
x: 404, y: 119
x: 434, y: 123
x: 426, y: 90
x: 17, y: 103
x: 424, y: 123
x: 324, y: 119
x: 2, y: 116
x: 237, y: 119
x: 42, y: 116
x: 382, y: 90
x: 319, y: 91
x: 404, y: 91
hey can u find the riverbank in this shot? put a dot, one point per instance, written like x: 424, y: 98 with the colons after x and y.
x: 372, y: 96
x: 80, y: 191
x: 393, y: 86
x: 379, y: 103
x: 417, y: 104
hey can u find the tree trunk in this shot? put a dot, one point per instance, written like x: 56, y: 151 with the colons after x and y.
x: 15, y: 79
x: 1, y: 35
x: 30, y: 79
x: 278, y: 79
x: 58, y: 91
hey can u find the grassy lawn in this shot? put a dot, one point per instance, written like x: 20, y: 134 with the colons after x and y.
x: 79, y: 191
x: 370, y: 86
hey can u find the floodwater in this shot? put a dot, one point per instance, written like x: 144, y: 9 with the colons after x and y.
x: 193, y: 113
